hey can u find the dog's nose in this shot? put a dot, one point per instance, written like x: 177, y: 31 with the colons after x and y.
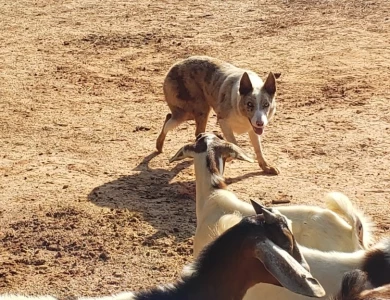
x: 259, y: 123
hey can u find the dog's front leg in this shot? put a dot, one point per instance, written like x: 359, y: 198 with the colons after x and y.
x: 227, y: 131
x: 264, y: 165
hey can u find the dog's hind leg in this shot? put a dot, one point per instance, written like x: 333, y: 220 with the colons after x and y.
x: 264, y: 165
x: 171, y: 122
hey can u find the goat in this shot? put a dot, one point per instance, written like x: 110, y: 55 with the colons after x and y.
x: 329, y: 268
x: 259, y: 248
x: 312, y: 226
x: 355, y: 287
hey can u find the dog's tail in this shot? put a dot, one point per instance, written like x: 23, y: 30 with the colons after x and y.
x: 361, y: 224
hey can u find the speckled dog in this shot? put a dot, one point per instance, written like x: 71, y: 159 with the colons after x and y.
x: 241, y: 100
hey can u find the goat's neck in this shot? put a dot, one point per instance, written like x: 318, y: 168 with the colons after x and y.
x: 230, y: 283
x: 220, y: 273
x: 211, y: 286
x: 203, y: 184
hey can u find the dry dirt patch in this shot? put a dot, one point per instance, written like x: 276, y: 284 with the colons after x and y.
x: 87, y: 208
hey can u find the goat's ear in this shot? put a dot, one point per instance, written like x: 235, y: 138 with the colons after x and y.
x: 270, y: 84
x: 299, y: 257
x: 184, y: 152
x: 237, y: 153
x: 291, y: 274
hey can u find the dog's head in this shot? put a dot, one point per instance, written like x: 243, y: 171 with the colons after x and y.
x: 257, y: 100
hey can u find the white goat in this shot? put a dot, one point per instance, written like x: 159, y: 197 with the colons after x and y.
x: 312, y: 226
x: 257, y: 249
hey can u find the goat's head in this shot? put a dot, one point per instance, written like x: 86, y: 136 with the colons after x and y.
x: 215, y: 149
x: 272, y: 247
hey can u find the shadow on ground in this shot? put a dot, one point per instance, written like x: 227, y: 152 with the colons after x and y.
x: 168, y: 207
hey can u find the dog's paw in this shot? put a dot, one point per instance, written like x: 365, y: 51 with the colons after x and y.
x: 270, y: 170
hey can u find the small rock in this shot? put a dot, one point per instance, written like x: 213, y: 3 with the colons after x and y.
x: 104, y: 256
x: 141, y: 128
x: 281, y: 201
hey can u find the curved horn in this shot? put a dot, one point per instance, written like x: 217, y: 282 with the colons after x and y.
x: 269, y: 217
x: 258, y: 207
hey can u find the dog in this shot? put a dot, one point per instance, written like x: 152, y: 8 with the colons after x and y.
x: 240, y: 99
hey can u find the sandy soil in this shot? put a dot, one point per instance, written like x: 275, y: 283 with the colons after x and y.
x: 88, y: 208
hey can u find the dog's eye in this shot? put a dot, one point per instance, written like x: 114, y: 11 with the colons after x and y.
x: 249, y: 104
x: 266, y: 104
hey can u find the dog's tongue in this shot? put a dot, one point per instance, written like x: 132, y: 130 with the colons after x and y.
x: 257, y: 130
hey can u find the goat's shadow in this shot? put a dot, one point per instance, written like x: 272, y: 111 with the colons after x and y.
x: 168, y: 207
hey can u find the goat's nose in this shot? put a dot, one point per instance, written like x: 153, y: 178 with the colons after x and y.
x: 259, y: 123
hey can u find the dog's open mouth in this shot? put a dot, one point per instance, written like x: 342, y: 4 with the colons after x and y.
x: 258, y: 130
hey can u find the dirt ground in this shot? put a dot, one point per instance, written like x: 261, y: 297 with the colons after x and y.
x: 88, y: 208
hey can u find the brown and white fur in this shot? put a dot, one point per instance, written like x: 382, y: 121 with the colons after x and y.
x: 241, y: 100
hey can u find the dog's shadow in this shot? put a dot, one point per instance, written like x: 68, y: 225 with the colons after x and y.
x: 168, y: 207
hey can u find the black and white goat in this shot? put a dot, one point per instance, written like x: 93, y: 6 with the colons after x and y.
x: 355, y: 286
x: 259, y: 248
x: 312, y: 226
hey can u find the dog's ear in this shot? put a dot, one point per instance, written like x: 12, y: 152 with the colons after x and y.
x: 270, y: 84
x: 245, y: 84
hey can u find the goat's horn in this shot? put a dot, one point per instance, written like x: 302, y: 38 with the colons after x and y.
x: 269, y: 217
x: 258, y: 207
